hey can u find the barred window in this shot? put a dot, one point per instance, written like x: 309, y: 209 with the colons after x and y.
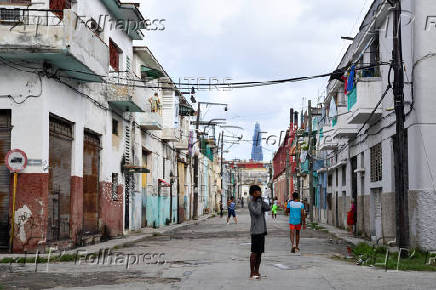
x: 376, y: 162
x: 114, y: 186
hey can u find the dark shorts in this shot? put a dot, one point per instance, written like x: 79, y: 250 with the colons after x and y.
x: 258, y: 244
x: 231, y: 212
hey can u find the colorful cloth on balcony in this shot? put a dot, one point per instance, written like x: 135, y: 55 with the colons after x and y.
x: 345, y: 79
x: 333, y: 112
x: 352, y: 99
x: 350, y: 81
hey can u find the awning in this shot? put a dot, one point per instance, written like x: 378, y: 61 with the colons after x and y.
x: 186, y: 110
x: 135, y: 169
x: 151, y: 72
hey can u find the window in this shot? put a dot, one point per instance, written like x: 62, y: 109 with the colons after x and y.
x: 330, y: 180
x: 10, y: 15
x: 344, y: 175
x: 114, y: 186
x: 114, y: 55
x: 60, y: 5
x: 376, y: 162
x: 374, y: 57
x: 114, y: 127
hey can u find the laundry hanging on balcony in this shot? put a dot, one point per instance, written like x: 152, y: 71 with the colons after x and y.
x: 351, y: 99
x: 350, y: 80
x: 333, y: 112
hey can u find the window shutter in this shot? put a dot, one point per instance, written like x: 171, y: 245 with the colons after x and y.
x: 113, y: 55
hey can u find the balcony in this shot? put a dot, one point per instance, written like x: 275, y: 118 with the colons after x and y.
x: 37, y: 35
x: 185, y: 135
x: 121, y: 93
x: 342, y: 128
x: 183, y: 144
x: 171, y: 134
x: 151, y: 119
x: 327, y: 142
x: 368, y: 93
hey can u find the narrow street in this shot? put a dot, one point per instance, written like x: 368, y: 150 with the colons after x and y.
x: 214, y: 255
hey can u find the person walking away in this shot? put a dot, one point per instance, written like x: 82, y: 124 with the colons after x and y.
x: 231, y: 209
x: 274, y: 210
x: 221, y: 209
x: 258, y: 230
x: 296, y: 220
x: 242, y: 202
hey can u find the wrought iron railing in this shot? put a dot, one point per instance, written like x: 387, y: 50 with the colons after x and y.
x: 37, y: 17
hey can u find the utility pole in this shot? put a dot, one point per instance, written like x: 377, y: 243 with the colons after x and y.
x: 288, y: 178
x: 195, y: 205
x: 271, y: 182
x: 222, y: 171
x: 297, y: 153
x: 401, y: 196
x: 310, y: 156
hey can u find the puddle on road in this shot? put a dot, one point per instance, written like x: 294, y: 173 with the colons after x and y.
x: 287, y: 267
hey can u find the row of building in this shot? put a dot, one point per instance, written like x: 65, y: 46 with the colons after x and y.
x: 108, y: 137
x: 350, y: 152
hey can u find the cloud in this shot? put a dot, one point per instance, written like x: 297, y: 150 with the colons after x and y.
x: 254, y: 40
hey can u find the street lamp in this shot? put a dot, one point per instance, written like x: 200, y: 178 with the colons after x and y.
x: 196, y: 175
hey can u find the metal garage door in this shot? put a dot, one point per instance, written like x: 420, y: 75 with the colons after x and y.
x: 91, y: 162
x: 60, y: 151
x: 5, y: 146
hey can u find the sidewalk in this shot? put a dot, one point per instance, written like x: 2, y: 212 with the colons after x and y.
x: 132, y: 237
x: 344, y: 235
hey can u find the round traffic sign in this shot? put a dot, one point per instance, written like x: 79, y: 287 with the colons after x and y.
x: 16, y: 160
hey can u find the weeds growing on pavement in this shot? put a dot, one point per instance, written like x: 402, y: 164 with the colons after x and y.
x: 41, y: 260
x: 415, y: 260
x: 315, y: 226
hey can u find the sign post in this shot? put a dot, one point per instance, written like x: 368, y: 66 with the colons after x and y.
x: 16, y: 161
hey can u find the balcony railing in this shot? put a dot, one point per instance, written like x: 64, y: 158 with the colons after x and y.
x: 121, y: 92
x: 343, y: 129
x: 150, y: 119
x: 171, y: 134
x: 65, y: 42
x: 327, y: 142
x: 368, y: 92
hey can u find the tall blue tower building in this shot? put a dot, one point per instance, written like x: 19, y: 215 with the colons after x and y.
x: 256, y: 150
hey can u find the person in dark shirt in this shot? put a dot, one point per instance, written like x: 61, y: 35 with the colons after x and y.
x: 258, y: 231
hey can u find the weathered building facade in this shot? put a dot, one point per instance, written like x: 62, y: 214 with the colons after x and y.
x: 106, y: 132
x: 357, y: 136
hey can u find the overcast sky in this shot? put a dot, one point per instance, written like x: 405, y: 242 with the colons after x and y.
x: 253, y: 40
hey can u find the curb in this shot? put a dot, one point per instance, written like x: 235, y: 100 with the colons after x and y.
x: 116, y: 243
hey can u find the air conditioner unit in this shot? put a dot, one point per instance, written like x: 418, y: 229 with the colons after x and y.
x: 11, y: 15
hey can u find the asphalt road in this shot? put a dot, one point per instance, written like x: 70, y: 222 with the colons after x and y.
x: 214, y: 255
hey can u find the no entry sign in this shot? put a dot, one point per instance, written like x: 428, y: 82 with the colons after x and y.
x: 16, y: 160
